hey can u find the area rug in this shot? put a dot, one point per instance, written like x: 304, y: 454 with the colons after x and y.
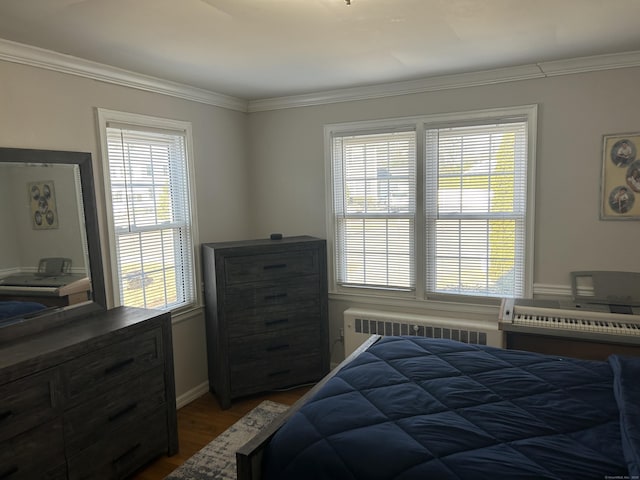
x: 218, y: 459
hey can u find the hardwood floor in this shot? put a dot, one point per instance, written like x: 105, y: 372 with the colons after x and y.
x: 202, y: 420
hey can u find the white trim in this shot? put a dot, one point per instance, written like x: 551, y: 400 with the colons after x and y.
x: 104, y: 116
x: 190, y: 313
x: 472, y: 310
x: 41, y: 58
x: 191, y: 395
x: 532, y: 141
x: 430, y: 84
x: 446, y: 82
x: 419, y: 122
x: 58, y: 62
x: 590, y: 64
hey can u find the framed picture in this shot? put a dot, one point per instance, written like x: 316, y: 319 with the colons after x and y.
x: 42, y: 200
x: 620, y: 189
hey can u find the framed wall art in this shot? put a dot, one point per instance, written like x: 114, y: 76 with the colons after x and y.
x: 42, y: 200
x: 620, y: 177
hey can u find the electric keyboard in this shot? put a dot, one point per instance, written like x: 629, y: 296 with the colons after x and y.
x: 575, y: 322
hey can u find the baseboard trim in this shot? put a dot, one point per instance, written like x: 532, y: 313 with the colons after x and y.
x: 190, y: 395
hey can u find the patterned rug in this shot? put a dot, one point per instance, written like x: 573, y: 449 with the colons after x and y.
x: 218, y: 459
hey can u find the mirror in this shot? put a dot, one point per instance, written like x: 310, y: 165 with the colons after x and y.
x: 50, y: 260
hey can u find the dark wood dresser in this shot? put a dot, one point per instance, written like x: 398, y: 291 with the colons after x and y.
x: 92, y: 398
x: 266, y: 314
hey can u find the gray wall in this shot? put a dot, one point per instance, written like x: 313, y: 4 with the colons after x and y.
x: 575, y: 111
x: 263, y: 172
x: 49, y: 110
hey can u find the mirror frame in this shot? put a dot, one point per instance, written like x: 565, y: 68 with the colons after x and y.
x: 92, y: 230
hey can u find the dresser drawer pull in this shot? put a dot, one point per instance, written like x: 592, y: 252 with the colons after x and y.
x: 118, y: 366
x: 275, y: 321
x: 275, y: 266
x: 9, y: 472
x: 126, y: 454
x: 5, y: 415
x: 122, y: 412
x: 279, y: 372
x: 275, y: 348
x: 275, y: 296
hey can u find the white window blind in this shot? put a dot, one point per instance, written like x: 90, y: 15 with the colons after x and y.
x: 476, y: 206
x: 149, y: 186
x: 374, y: 179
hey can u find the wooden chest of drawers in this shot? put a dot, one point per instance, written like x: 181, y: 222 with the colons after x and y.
x: 94, y: 398
x: 266, y: 314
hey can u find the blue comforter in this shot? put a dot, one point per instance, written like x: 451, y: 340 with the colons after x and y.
x: 15, y: 308
x: 415, y: 408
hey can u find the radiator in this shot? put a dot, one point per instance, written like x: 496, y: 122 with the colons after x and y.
x: 360, y: 324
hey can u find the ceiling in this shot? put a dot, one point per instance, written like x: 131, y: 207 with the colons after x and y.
x: 259, y: 49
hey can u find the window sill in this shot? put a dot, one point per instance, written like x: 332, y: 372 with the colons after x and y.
x: 487, y: 309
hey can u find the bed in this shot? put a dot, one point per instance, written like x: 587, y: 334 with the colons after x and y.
x: 10, y: 309
x: 414, y: 408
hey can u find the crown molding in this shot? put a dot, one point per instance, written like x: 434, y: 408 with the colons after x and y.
x: 446, y: 82
x: 58, y: 62
x: 430, y: 84
x: 590, y: 64
x: 41, y: 58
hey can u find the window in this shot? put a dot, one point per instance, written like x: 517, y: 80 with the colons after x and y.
x: 438, y: 205
x: 146, y: 170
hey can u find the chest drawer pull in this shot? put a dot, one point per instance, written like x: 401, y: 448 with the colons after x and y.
x: 4, y: 416
x: 123, y: 412
x: 9, y: 472
x: 275, y: 296
x: 274, y: 266
x: 126, y: 454
x: 118, y: 366
x: 275, y: 321
x: 275, y: 348
x: 279, y: 372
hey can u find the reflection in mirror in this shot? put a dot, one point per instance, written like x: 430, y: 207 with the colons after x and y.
x: 49, y: 246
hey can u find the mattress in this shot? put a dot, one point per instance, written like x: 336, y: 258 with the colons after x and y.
x: 416, y: 408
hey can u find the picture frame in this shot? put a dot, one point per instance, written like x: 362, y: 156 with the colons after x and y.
x: 620, y: 182
x: 42, y: 202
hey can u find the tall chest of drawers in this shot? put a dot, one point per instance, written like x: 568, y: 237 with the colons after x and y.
x: 266, y: 314
x: 91, y: 399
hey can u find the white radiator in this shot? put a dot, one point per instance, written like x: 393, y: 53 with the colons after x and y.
x: 360, y: 324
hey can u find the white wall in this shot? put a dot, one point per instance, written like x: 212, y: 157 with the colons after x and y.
x: 48, y: 110
x: 575, y: 111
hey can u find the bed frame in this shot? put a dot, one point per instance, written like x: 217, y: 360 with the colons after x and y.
x: 249, y: 456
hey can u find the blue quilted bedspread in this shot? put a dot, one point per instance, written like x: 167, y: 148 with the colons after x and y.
x: 15, y: 308
x: 415, y: 408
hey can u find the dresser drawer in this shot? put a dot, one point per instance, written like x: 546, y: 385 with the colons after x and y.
x: 28, y: 402
x: 291, y: 294
x: 37, y: 453
x: 270, y: 266
x: 114, y: 364
x: 120, y: 453
x: 275, y: 347
x: 90, y: 421
x: 280, y: 371
x: 269, y: 321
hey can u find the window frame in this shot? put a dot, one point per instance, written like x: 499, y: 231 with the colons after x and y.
x: 421, y: 123
x: 150, y: 124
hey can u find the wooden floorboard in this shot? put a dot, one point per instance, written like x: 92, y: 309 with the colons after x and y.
x: 202, y: 420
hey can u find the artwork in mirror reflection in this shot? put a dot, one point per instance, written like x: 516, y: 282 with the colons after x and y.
x: 41, y: 267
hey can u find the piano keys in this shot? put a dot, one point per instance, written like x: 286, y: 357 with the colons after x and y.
x: 575, y: 323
